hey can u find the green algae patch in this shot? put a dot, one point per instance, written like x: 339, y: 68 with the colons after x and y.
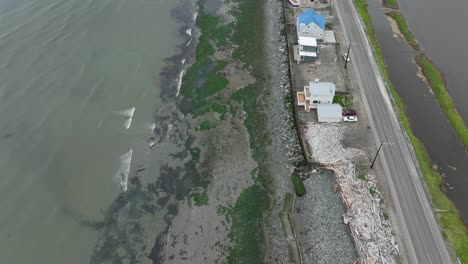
x: 206, y: 125
x: 200, y: 198
x: 203, y: 78
x: 246, y: 220
x: 453, y: 228
x: 437, y: 83
x: 403, y: 26
x: 248, y: 214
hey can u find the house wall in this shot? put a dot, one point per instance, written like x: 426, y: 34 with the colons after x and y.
x: 306, y: 51
x: 320, y: 100
x: 329, y: 120
x: 311, y: 30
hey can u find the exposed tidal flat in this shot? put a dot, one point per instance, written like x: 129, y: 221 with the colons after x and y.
x: 223, y: 95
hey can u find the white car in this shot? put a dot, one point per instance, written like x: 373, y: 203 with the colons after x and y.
x: 346, y: 55
x: 350, y: 118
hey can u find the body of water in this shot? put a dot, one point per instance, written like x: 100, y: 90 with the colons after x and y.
x: 79, y: 92
x: 439, y: 27
x: 427, y: 120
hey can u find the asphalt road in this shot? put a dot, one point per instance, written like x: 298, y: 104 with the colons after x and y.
x: 419, y: 230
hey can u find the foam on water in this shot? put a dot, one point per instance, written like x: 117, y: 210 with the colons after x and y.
x: 189, y: 32
x: 121, y: 177
x: 128, y: 112
x: 179, y: 82
x: 152, y: 127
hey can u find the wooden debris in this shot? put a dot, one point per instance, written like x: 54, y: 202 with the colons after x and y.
x: 372, y: 233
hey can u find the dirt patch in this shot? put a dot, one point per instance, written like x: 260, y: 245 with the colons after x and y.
x: 396, y: 31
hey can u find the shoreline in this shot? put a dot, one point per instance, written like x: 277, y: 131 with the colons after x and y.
x: 226, y: 151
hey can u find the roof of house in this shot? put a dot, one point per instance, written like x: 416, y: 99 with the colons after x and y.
x: 329, y: 111
x: 322, y: 88
x: 310, y: 16
x: 307, y: 41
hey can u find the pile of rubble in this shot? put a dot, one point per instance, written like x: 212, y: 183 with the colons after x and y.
x: 365, y: 215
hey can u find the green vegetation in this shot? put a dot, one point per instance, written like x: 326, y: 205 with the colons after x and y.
x: 437, y: 84
x: 343, y: 100
x: 220, y: 109
x: 288, y: 202
x: 373, y: 192
x: 362, y: 176
x: 203, y: 79
x: 401, y: 22
x: 246, y: 225
x: 247, y: 214
x: 391, y: 3
x: 385, y: 215
x: 453, y: 227
x: 200, y: 198
x: 206, y: 125
x: 298, y: 185
x: 328, y: 26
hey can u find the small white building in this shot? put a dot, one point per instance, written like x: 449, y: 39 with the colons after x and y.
x: 329, y: 113
x: 294, y: 3
x: 308, y: 47
x: 315, y: 94
x: 310, y: 28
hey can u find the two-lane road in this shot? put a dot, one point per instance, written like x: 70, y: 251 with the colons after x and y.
x: 419, y: 230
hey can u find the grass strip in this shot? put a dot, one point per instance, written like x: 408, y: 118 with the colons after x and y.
x: 298, y: 185
x: 343, y: 100
x: 288, y: 202
x: 403, y: 26
x: 391, y: 4
x: 437, y: 83
x: 453, y: 228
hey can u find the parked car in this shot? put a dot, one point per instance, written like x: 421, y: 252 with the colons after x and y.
x: 349, y: 112
x: 350, y: 118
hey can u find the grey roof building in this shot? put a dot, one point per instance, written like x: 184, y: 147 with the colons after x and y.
x: 330, y: 113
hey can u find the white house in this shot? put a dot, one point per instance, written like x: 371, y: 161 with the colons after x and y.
x: 315, y: 94
x: 310, y: 28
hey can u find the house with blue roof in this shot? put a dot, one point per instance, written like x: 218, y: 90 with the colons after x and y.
x: 310, y: 29
x: 310, y: 24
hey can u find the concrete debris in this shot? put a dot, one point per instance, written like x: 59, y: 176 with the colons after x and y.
x: 366, y: 217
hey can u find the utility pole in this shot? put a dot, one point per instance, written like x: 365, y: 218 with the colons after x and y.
x: 347, y: 55
x: 376, y: 154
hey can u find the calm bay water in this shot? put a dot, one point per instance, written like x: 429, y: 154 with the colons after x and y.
x: 79, y: 88
x: 440, y: 28
x: 427, y: 120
